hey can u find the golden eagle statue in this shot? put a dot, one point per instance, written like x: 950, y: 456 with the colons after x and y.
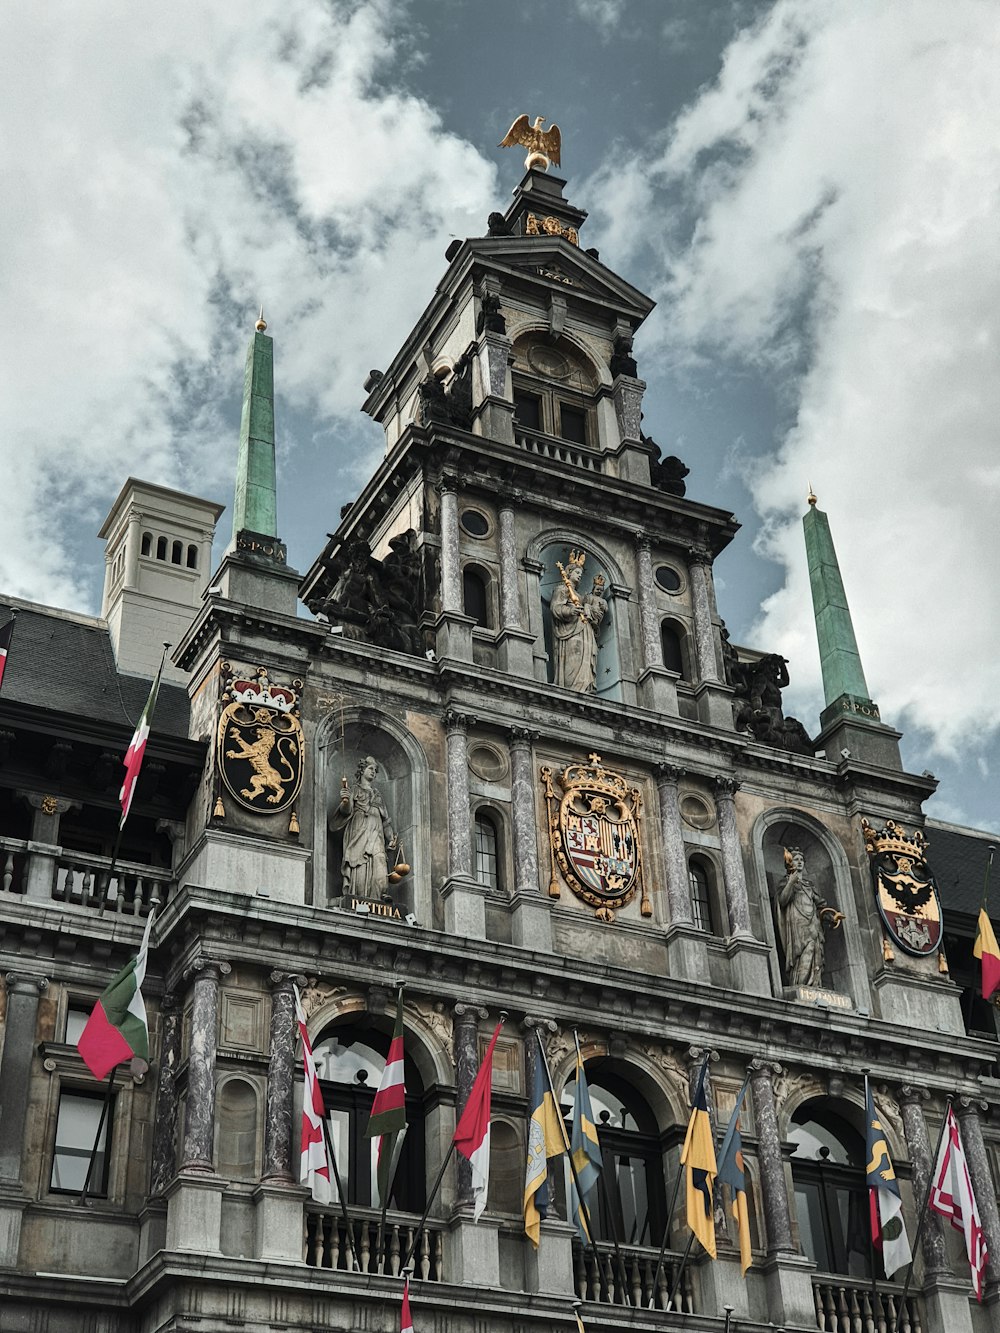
x: 543, y: 145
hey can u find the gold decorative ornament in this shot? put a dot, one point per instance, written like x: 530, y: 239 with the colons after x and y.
x: 261, y: 324
x: 260, y: 746
x: 535, y: 226
x: 219, y: 812
x: 544, y: 146
x: 594, y: 842
x: 49, y: 805
x: 293, y: 824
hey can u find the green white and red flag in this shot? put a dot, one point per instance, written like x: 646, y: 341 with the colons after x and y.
x: 5, y: 637
x: 388, y: 1119
x: 137, y: 748
x: 472, y: 1133
x: 118, y: 1030
x: 405, y: 1318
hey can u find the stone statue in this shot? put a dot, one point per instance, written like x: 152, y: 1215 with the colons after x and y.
x: 757, y: 700
x: 575, y: 621
x: 367, y: 831
x: 801, y: 916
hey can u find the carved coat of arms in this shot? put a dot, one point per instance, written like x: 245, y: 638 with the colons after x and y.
x: 905, y: 890
x: 260, y: 745
x: 594, y: 843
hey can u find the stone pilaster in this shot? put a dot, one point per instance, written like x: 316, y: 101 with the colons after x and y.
x: 968, y: 1111
x: 510, y: 601
x: 700, y: 562
x: 464, y: 896
x: 164, y: 1163
x: 657, y: 686
x: 280, y: 1080
x: 774, y: 1193
x: 672, y: 830
x: 465, y: 1049
x: 451, y: 573
x: 737, y: 898
x: 199, y: 1117
x: 531, y: 923
x: 23, y: 992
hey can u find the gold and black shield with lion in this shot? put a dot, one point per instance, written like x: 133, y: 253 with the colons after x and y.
x: 260, y: 752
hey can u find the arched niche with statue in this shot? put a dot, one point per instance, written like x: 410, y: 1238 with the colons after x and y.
x: 371, y: 846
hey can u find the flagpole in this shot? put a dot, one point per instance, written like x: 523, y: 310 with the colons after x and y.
x: 923, y: 1213
x: 680, y: 1271
x: 871, y: 1235
x: 340, y: 1193
x: 82, y: 1201
x: 568, y: 1151
x: 430, y: 1205
x: 670, y: 1213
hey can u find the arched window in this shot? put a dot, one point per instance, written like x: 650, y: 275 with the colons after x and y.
x: 672, y: 647
x: 177, y: 553
x: 831, y: 1197
x: 161, y: 548
x: 628, y: 1200
x: 147, y: 543
x: 487, y: 852
x: 475, y: 595
x: 700, y: 880
x: 350, y: 1060
x: 236, y: 1130
x: 192, y: 560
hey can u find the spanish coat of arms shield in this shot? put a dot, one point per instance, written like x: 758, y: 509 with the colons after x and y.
x: 905, y: 890
x: 260, y: 744
x: 594, y: 836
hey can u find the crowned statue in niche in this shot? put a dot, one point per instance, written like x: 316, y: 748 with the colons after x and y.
x: 802, y: 915
x: 576, y: 619
x: 368, y: 836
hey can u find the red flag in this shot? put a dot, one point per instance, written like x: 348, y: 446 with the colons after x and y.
x: 137, y: 748
x: 5, y: 635
x: 405, y: 1318
x: 472, y: 1133
x: 987, y: 949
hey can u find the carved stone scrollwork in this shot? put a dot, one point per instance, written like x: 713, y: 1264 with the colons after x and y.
x: 725, y: 786
x: 203, y: 965
x: 522, y: 737
x: 456, y: 721
x: 23, y: 981
x: 669, y: 773
x: 643, y: 542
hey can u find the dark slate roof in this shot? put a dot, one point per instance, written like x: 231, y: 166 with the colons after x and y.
x: 65, y: 663
x: 958, y: 857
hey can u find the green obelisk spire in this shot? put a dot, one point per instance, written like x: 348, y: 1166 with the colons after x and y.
x: 256, y: 509
x: 844, y: 686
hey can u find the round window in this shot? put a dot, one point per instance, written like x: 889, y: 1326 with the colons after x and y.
x: 668, y: 578
x: 475, y: 523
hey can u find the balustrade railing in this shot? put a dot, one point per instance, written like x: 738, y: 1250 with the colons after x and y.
x: 14, y: 858
x: 848, y: 1305
x: 550, y: 446
x: 327, y: 1244
x: 130, y: 889
x: 627, y: 1278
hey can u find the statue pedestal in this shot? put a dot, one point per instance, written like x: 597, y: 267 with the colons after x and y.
x: 464, y: 907
x: 517, y: 652
x: 818, y: 996
x: 658, y: 690
x: 453, y: 636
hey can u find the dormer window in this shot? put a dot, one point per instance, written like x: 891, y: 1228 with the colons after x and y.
x: 554, y: 392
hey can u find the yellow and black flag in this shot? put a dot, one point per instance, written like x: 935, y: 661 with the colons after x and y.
x: 545, y: 1140
x: 698, y: 1160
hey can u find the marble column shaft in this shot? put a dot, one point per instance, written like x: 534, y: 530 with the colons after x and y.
x: 737, y: 898
x: 774, y: 1193
x: 510, y: 600
x: 451, y: 573
x: 459, y: 814
x: 199, y: 1112
x: 164, y: 1163
x: 522, y: 799
x: 704, y: 633
x: 982, y: 1181
x: 918, y: 1145
x: 672, y: 830
x: 649, y: 622
x: 465, y: 1047
x: 280, y: 1081
x: 23, y: 993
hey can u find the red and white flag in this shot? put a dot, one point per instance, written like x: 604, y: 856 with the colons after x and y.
x: 951, y: 1196
x: 405, y: 1318
x: 472, y: 1133
x: 314, y: 1166
x: 388, y: 1118
x: 137, y: 748
x: 5, y: 635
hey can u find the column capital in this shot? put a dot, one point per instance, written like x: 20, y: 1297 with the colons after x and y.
x: 49, y: 805
x: 912, y: 1094
x: 971, y: 1106
x: 22, y: 983
x: 668, y: 774
x: 725, y: 786
x: 457, y: 721
x: 522, y: 738
x: 210, y: 967
x: 764, y: 1070
x: 643, y: 541
x: 447, y: 484
x: 531, y: 1024
x: 511, y: 498
x: 696, y: 1054
x: 699, y: 555
x: 283, y: 981
x: 469, y: 1013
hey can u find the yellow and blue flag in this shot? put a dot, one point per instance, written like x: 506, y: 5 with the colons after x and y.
x: 545, y: 1140
x: 698, y: 1160
x: 586, y: 1150
x: 733, y: 1174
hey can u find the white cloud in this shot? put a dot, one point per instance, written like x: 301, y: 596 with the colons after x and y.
x: 831, y: 204
x: 161, y: 178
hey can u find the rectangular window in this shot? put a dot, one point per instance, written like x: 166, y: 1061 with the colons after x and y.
x: 572, y: 424
x: 527, y: 410
x: 76, y: 1020
x: 486, y: 853
x: 76, y: 1131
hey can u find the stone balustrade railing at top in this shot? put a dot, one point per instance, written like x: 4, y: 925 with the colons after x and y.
x: 62, y: 876
x: 327, y: 1244
x: 629, y: 1277
x: 551, y: 446
x: 849, y: 1303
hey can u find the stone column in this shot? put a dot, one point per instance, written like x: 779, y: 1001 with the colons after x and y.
x: 465, y: 1043
x: 510, y: 601
x: 199, y: 1117
x: 732, y: 855
x: 164, y: 1164
x: 774, y: 1193
x: 531, y: 911
x: 23, y: 993
x: 280, y: 1079
x: 131, y: 575
x: 700, y: 562
x: 672, y: 831
x: 911, y: 1105
x: 968, y: 1111
x: 451, y: 574
x: 459, y: 814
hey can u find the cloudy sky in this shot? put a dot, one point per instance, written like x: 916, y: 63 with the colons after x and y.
x: 809, y: 188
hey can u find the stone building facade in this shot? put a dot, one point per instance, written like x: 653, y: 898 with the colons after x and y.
x: 513, y: 764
